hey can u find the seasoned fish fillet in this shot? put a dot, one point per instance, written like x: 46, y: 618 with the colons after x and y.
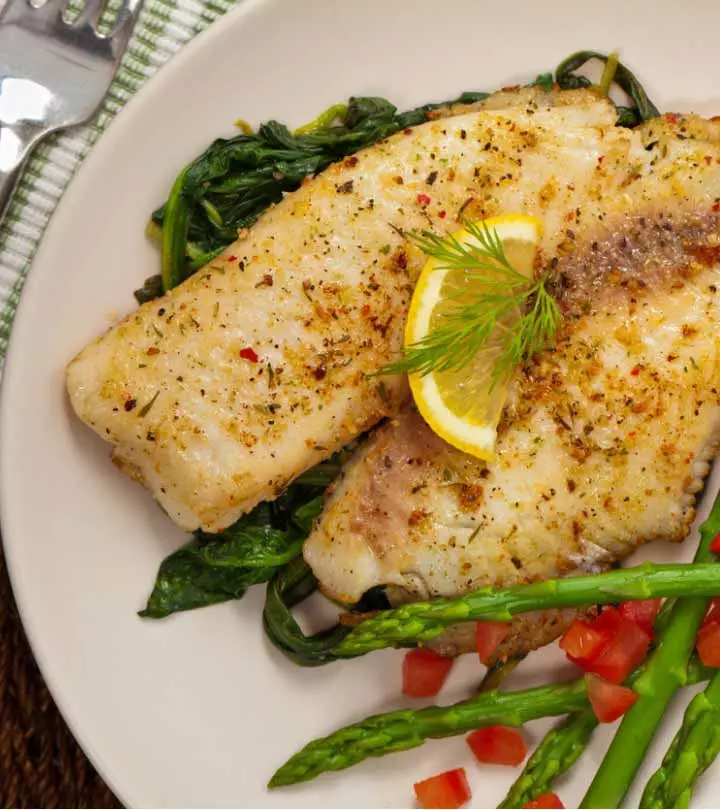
x: 605, y: 439
x: 218, y: 394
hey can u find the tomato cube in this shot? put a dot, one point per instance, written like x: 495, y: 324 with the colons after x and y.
x: 642, y: 612
x: 708, y: 644
x: 550, y: 800
x: 607, y: 620
x: 446, y: 790
x: 489, y: 635
x: 424, y: 673
x: 608, y: 700
x: 497, y: 745
x: 626, y: 649
x: 715, y: 545
x: 582, y: 642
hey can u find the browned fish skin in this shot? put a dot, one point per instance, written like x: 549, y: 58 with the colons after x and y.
x: 603, y: 444
x: 528, y: 632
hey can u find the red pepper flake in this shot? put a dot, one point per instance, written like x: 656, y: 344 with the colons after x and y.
x: 232, y: 258
x: 600, y: 160
x: 635, y: 371
x: 248, y: 353
x: 320, y: 372
x: 632, y: 433
x: 442, y: 214
x: 365, y: 310
x: 407, y: 131
x: 708, y: 160
x: 130, y: 404
x: 423, y: 199
x: 153, y: 350
x: 716, y: 206
x: 671, y: 117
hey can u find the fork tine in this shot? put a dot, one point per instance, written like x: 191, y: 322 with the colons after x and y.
x: 122, y: 31
x: 17, y: 9
x: 91, y: 13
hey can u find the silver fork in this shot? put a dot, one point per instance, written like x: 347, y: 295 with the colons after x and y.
x: 53, y: 74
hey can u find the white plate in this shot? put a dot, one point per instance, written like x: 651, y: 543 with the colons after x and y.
x: 198, y: 710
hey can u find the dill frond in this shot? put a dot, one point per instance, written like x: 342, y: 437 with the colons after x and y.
x: 482, y: 319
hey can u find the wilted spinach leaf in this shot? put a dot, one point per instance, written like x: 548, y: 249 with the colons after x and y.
x: 213, y: 568
x: 304, y: 516
x: 568, y: 79
x: 204, y: 573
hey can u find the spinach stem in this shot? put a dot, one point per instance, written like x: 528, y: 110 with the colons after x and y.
x: 174, y: 234
x: 608, y: 75
x: 324, y: 120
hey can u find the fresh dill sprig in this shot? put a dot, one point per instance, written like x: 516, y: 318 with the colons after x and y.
x: 499, y: 311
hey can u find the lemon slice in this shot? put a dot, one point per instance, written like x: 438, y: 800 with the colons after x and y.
x: 463, y: 406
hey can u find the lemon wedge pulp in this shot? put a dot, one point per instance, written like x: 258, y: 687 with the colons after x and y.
x: 463, y: 406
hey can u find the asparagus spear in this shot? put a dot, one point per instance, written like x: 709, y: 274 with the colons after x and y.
x: 498, y: 672
x: 421, y: 621
x: 695, y: 747
x: 562, y: 746
x: 408, y: 728
x: 663, y: 674
x: 556, y: 754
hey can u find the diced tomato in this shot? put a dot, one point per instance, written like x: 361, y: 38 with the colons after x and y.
x: 608, y: 620
x: 489, y: 636
x: 626, y: 649
x: 424, y: 673
x: 715, y: 545
x: 642, y: 612
x: 608, y: 700
x: 449, y: 789
x: 497, y: 745
x: 708, y: 644
x: 550, y: 800
x: 582, y: 642
x: 611, y: 645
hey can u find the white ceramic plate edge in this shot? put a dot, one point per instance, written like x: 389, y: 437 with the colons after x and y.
x: 105, y: 145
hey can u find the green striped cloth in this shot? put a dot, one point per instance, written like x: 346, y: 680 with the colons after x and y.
x: 163, y: 28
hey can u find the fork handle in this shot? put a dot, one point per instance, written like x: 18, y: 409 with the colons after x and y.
x: 15, y: 146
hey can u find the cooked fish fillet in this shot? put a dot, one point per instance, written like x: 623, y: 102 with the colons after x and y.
x: 605, y: 439
x: 259, y: 366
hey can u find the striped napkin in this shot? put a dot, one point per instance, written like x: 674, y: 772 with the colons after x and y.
x: 163, y: 28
